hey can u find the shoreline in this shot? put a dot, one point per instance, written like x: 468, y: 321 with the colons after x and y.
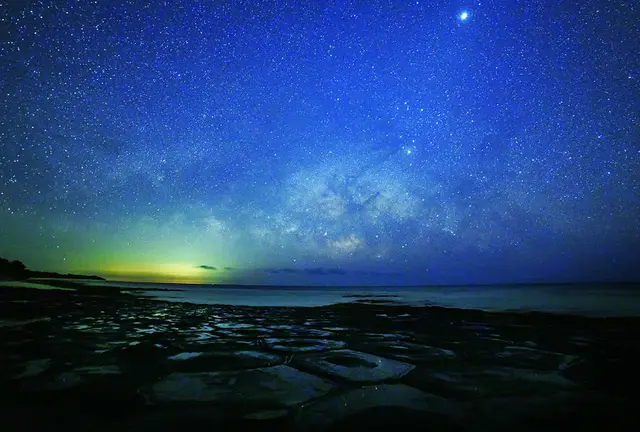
x: 74, y: 288
x: 605, y: 303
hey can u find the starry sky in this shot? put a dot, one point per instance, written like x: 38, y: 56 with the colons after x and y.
x: 322, y: 142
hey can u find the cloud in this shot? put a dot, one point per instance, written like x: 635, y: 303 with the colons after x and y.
x: 323, y: 271
x: 280, y: 270
x: 207, y: 267
x: 288, y: 270
x: 309, y: 271
x: 315, y: 271
x: 228, y: 268
x: 337, y: 271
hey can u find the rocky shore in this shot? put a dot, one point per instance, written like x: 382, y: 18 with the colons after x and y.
x: 105, y: 360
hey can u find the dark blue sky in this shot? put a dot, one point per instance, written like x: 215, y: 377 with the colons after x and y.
x: 342, y: 142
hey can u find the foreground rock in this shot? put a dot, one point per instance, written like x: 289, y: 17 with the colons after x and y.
x: 380, y: 407
x: 277, y: 385
x: 76, y: 362
x: 355, y: 366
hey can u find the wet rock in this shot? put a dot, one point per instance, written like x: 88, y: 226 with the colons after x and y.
x: 478, y: 328
x: 204, y: 418
x: 230, y: 333
x: 17, y: 324
x: 506, y: 369
x: 202, y: 338
x: 521, y: 356
x: 619, y: 376
x: 99, y: 370
x: 385, y: 336
x: 580, y: 341
x: 407, y: 351
x: 394, y: 417
x: 310, y: 332
x: 340, y: 329
x: 112, y: 344
x: 229, y: 325
x: 221, y: 361
x: 531, y: 375
x: 355, y: 366
x: 279, y: 385
x: 288, y: 327
x: 266, y: 414
x: 558, y: 412
x: 63, y: 381
x: 33, y: 368
x: 294, y: 345
x: 378, y: 406
x: 185, y: 355
x: 474, y: 382
x: 136, y: 350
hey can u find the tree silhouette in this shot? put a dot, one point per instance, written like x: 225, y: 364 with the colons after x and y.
x: 16, y: 270
x: 12, y: 269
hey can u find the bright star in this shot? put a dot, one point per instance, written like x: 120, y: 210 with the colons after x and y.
x: 463, y: 16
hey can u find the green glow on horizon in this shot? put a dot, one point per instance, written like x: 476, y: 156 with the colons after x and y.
x: 158, y: 272
x: 143, y: 251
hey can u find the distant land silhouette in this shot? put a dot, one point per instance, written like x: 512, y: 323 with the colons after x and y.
x: 16, y: 270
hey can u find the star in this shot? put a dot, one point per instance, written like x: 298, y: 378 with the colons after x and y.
x: 463, y: 16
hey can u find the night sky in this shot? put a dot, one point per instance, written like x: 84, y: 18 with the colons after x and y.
x: 322, y: 142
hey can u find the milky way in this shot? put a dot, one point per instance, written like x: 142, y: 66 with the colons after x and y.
x: 405, y: 142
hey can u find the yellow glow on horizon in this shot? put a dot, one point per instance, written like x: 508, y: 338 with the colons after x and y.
x: 158, y: 272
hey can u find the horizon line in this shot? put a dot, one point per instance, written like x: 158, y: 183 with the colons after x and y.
x: 383, y: 285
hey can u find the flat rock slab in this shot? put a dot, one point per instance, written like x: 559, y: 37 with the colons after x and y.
x: 561, y: 411
x: 294, y: 345
x: 616, y: 376
x: 185, y: 355
x: 355, y: 366
x: 473, y: 383
x: 520, y: 356
x: 221, y: 361
x: 407, y: 351
x: 381, y: 406
x: 231, y: 325
x: 17, y: 324
x: 280, y: 385
x: 202, y: 338
x: 71, y: 379
x: 33, y: 368
x: 63, y: 381
x: 203, y: 417
x: 99, y: 370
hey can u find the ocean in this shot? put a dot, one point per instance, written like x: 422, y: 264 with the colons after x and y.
x: 588, y: 300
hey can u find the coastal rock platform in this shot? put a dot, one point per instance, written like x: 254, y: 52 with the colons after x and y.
x: 76, y: 361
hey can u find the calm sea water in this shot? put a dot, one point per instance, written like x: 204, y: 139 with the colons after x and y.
x: 602, y: 300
